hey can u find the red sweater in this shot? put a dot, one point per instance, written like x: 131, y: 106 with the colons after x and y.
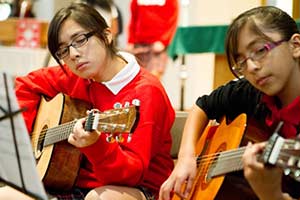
x: 145, y: 160
x: 152, y: 22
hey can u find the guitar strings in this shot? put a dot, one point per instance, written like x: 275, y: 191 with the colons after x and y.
x: 229, y: 153
x: 204, y: 170
x: 67, y: 128
x: 52, y: 132
x: 232, y: 152
x: 208, y: 162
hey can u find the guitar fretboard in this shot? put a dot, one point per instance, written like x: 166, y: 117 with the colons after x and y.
x: 58, y: 133
x: 226, y: 162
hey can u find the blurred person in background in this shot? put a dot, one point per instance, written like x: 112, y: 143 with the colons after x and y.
x: 24, y: 8
x: 151, y: 28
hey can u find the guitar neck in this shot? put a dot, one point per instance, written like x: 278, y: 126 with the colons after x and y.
x: 279, y: 152
x: 58, y: 133
x: 223, y: 162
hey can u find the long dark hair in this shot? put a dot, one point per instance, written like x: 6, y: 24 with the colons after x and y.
x: 87, y: 17
x: 260, y: 19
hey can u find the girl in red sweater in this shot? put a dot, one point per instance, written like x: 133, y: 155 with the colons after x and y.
x: 91, y: 69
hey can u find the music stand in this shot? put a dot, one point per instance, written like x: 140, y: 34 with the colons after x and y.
x: 17, y: 165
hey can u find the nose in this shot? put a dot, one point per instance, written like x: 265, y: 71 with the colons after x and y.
x: 252, y: 66
x: 74, y: 53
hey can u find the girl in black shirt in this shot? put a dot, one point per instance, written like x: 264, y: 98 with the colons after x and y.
x: 263, y: 50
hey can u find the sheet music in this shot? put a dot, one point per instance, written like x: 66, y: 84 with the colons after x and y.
x: 9, y: 166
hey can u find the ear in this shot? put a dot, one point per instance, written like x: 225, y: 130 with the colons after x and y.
x: 108, y: 35
x: 295, y: 43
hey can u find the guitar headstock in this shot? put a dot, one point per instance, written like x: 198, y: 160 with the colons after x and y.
x: 290, y: 159
x: 114, y: 122
x: 284, y: 153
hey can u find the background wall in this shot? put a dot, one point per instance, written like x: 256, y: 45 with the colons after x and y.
x: 124, y: 7
x: 200, y: 67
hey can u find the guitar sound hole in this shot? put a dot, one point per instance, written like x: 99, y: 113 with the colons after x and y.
x: 210, y: 165
x: 41, y: 140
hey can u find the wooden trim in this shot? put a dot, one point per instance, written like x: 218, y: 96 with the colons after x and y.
x: 296, y: 9
x: 263, y: 2
x: 222, y: 72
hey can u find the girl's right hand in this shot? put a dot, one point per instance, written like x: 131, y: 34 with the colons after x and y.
x: 181, y: 179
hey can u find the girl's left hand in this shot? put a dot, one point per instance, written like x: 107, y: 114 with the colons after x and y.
x: 81, y: 138
x: 264, y: 180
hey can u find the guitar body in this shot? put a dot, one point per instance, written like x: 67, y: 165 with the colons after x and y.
x: 214, y: 140
x: 224, y: 138
x: 57, y: 164
x: 219, y: 153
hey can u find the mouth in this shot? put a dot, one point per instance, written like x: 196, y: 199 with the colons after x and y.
x: 262, y: 81
x: 81, y: 65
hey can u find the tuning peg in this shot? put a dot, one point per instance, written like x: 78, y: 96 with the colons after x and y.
x: 120, y: 138
x: 297, y: 144
x: 294, y: 174
x: 136, y: 102
x: 117, y: 105
x: 104, y: 127
x: 129, y: 137
x: 287, y: 171
x: 297, y: 174
x: 114, y: 127
x: 110, y: 138
x: 127, y: 104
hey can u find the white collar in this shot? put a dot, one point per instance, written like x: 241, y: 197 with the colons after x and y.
x: 123, y: 77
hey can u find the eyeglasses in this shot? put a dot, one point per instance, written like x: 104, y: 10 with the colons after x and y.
x: 260, y: 53
x: 77, y: 42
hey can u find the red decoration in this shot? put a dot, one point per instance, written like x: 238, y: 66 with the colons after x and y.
x: 28, y: 33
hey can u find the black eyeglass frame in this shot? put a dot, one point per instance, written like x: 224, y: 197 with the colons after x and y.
x: 74, y: 43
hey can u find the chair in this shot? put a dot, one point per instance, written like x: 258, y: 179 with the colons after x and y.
x: 176, y: 132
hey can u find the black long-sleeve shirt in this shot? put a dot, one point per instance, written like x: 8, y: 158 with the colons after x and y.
x: 236, y: 97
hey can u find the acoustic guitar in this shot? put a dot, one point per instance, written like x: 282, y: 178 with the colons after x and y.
x: 58, y: 162
x: 219, y: 153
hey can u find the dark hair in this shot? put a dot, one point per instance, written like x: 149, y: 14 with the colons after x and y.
x: 87, y: 17
x: 105, y: 4
x: 260, y: 20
